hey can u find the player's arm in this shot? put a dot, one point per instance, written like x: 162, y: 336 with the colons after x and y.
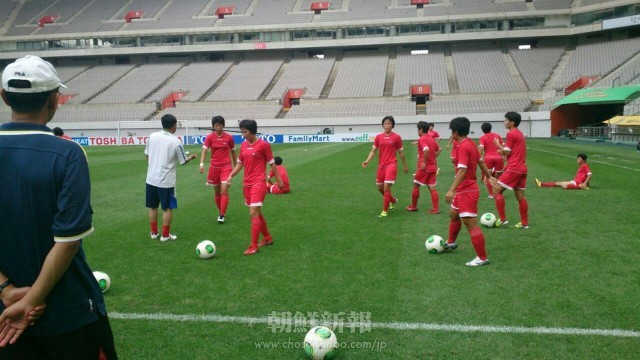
x: 372, y: 153
x: 235, y: 172
x: 485, y: 170
x: 234, y: 157
x: 404, y: 161
x: 449, y: 143
x: 276, y: 174
x: 202, y: 158
x: 423, y: 163
x: 10, y: 294
x: 457, y: 180
x: 585, y: 184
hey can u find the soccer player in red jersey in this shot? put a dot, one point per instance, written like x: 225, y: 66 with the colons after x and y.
x: 453, y: 144
x: 223, y: 160
x: 514, y: 176
x: 431, y: 132
x: 389, y: 143
x: 490, y: 154
x: 581, y: 181
x: 271, y: 187
x: 428, y: 151
x: 464, y: 193
x: 255, y: 154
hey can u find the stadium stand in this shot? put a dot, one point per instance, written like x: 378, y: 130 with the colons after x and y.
x: 332, y: 109
x: 552, y: 4
x: 360, y: 75
x: 535, y: 65
x: 421, y: 69
x: 63, y: 11
x: 594, y: 58
x: 179, y: 14
x: 195, y: 78
x: 309, y: 74
x: 265, y: 12
x: 367, y: 9
x: 248, y: 80
x: 229, y: 110
x: 7, y: 7
x: 84, y: 113
x: 481, y: 69
x: 137, y: 84
x: 467, y: 106
x: 94, y: 80
x: 94, y: 18
x: 632, y: 108
x: 626, y: 74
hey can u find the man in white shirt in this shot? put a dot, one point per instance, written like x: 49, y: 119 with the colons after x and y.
x: 164, y: 151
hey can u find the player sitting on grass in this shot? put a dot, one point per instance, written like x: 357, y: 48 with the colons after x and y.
x: 272, y: 187
x: 581, y: 181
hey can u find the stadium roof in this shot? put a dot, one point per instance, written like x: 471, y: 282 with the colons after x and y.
x: 599, y: 96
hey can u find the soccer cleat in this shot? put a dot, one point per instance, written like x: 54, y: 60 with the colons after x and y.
x: 438, y: 172
x: 520, y: 226
x: 501, y: 223
x: 538, y: 183
x: 392, y: 205
x: 412, y: 208
x: 490, y: 197
x: 221, y: 219
x: 451, y: 246
x: 383, y: 214
x: 251, y: 250
x: 478, y: 262
x: 266, y: 242
x: 154, y: 235
x: 434, y: 212
x: 167, y: 238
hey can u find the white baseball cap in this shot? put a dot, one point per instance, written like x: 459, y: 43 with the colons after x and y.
x: 39, y: 73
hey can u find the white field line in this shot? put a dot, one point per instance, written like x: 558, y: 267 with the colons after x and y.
x: 591, y: 161
x: 377, y: 325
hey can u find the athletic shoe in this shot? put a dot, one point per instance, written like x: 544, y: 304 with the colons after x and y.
x: 438, y: 172
x: 451, y: 246
x: 266, y: 242
x: 434, y: 212
x: 154, y: 236
x: 538, y: 183
x: 392, y: 205
x: 520, y: 226
x: 490, y: 197
x: 383, y: 214
x: 478, y: 262
x: 412, y: 208
x: 501, y: 223
x: 221, y: 219
x: 251, y: 250
x: 167, y: 238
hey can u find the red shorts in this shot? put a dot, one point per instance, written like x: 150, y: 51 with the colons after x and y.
x: 254, y: 194
x: 466, y: 203
x: 424, y: 178
x: 274, y: 189
x: 387, y: 174
x: 218, y: 175
x: 495, y: 165
x: 513, y: 180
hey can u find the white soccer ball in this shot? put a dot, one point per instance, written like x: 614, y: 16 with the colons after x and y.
x: 206, y: 249
x: 320, y: 343
x: 435, y: 244
x: 103, y: 280
x: 488, y: 220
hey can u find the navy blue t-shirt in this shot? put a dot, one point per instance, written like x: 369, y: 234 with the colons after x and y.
x: 45, y: 198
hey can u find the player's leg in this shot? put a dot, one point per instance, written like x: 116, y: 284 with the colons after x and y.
x: 213, y: 179
x: 224, y: 193
x: 455, y: 224
x: 477, y: 240
x: 523, y: 205
x: 256, y: 225
x: 152, y: 202
x: 168, y: 202
x: 258, y: 194
x: 435, y: 198
x: 507, y: 181
x: 419, y: 179
x: 391, y: 172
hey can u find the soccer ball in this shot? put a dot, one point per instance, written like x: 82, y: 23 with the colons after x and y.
x: 103, y: 280
x: 488, y: 220
x: 206, y: 249
x: 434, y: 244
x: 320, y: 343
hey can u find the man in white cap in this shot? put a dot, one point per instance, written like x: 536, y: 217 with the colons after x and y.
x: 46, y: 212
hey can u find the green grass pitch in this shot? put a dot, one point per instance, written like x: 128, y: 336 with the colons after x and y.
x: 576, y: 268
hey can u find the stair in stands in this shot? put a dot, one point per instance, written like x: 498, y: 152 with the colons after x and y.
x: 113, y: 82
x: 152, y: 92
x: 559, y: 69
x: 9, y: 22
x: 451, y: 72
x: 513, y: 70
x: 275, y: 80
x: 332, y: 76
x: 231, y: 69
x: 391, y: 73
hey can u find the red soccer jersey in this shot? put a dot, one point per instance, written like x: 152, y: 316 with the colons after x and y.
x: 428, y: 143
x: 467, y: 156
x: 516, y: 161
x: 220, y: 147
x: 283, y: 175
x: 434, y: 134
x: 489, y: 146
x: 255, y: 157
x: 581, y: 175
x: 388, y: 145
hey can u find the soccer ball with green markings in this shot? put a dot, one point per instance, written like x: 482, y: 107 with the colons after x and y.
x: 103, y: 280
x: 206, y: 249
x: 488, y: 220
x: 320, y: 343
x: 435, y: 244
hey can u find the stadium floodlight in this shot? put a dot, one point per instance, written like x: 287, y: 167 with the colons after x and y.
x: 419, y: 52
x: 524, y: 47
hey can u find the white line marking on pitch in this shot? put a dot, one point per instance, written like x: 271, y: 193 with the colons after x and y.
x: 596, y: 161
x: 539, y: 330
